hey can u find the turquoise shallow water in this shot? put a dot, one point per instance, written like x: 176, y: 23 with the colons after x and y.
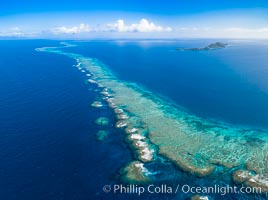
x: 229, y: 85
x: 203, y: 144
x: 52, y: 147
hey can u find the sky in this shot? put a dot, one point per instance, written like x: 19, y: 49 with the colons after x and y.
x: 80, y: 19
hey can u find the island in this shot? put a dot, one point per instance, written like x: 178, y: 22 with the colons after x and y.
x: 213, y: 46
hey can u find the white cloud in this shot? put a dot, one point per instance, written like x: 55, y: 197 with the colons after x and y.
x: 143, y: 26
x: 263, y: 30
x: 228, y: 32
x: 188, y: 29
x: 246, y: 32
x: 71, y: 30
x: 238, y: 29
x: 15, y: 29
x: 12, y: 32
x: 119, y: 26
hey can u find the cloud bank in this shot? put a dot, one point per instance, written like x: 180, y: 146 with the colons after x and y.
x: 82, y: 28
x: 143, y: 26
x: 231, y: 32
x: 12, y: 32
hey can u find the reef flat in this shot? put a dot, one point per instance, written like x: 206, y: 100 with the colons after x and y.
x: 155, y: 127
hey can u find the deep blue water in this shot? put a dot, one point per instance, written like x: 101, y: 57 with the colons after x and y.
x: 229, y: 84
x: 48, y: 146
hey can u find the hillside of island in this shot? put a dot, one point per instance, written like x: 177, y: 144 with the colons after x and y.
x: 213, y: 46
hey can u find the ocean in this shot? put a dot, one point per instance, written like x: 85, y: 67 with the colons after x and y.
x: 49, y: 142
x: 230, y: 84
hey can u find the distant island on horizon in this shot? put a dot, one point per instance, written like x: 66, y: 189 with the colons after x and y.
x: 213, y: 46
